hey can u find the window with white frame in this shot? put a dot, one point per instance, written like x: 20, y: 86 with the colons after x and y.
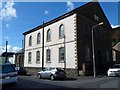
x: 38, y: 38
x: 48, y: 54
x: 29, y: 57
x: 38, y: 57
x: 61, y: 31
x: 30, y: 41
x: 61, y: 54
x: 48, y: 35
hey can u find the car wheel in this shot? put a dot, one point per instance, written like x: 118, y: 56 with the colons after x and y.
x: 52, y: 77
x: 39, y: 76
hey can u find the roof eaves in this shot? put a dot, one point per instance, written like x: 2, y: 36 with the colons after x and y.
x: 116, y: 28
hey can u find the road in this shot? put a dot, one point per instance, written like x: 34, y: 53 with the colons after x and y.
x: 78, y: 82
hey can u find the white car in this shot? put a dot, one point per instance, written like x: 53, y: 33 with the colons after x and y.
x: 114, y: 71
x: 52, y: 73
x: 8, y: 74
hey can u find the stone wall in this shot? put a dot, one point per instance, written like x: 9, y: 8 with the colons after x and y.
x: 34, y: 70
x: 71, y: 72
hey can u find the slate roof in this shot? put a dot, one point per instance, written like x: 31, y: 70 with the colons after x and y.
x: 117, y: 46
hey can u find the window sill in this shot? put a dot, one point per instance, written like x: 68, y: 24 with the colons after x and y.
x: 29, y: 62
x: 38, y: 62
x: 49, y: 41
x: 38, y: 43
x: 61, y: 37
x: 48, y: 61
x: 61, y: 61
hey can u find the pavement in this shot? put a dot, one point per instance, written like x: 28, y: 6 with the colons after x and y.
x: 78, y: 77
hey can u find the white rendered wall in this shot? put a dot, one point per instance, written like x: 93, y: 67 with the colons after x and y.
x: 54, y: 45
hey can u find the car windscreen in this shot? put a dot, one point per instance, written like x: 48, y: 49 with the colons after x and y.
x: 61, y: 70
x: 116, y: 66
x: 7, y: 68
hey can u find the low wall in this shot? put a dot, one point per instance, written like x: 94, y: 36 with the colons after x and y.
x: 34, y: 70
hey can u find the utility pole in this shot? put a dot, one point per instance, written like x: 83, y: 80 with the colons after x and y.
x: 43, y: 47
x: 94, y: 65
x: 6, y: 52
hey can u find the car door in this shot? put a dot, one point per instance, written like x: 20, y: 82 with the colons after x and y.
x: 43, y: 73
x: 48, y: 73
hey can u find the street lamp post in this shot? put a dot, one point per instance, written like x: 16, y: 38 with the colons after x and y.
x: 94, y: 66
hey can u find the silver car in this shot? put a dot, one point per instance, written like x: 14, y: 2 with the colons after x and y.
x: 52, y: 73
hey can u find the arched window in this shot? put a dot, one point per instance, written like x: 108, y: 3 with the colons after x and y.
x: 38, y: 57
x: 30, y: 41
x: 48, y: 35
x: 61, y: 31
x: 29, y: 57
x: 38, y: 38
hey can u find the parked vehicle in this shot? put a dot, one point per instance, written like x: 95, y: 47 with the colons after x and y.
x: 8, y: 74
x: 21, y: 70
x: 114, y: 70
x: 52, y: 73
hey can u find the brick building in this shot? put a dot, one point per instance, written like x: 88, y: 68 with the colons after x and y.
x: 19, y: 58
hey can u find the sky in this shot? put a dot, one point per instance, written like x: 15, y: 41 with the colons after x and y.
x: 19, y: 17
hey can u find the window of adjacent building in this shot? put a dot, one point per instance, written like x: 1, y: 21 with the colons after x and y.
x: 87, y: 53
x: 38, y: 57
x: 96, y: 17
x: 61, y: 54
x: 114, y: 55
x: 48, y: 35
x: 61, y: 31
x: 108, y: 57
x: 38, y: 38
x: 101, y: 35
x: 48, y: 54
x: 29, y: 57
x: 30, y: 41
x: 85, y: 27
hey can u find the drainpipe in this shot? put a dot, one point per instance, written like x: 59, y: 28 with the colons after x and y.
x: 43, y: 47
x: 64, y: 53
